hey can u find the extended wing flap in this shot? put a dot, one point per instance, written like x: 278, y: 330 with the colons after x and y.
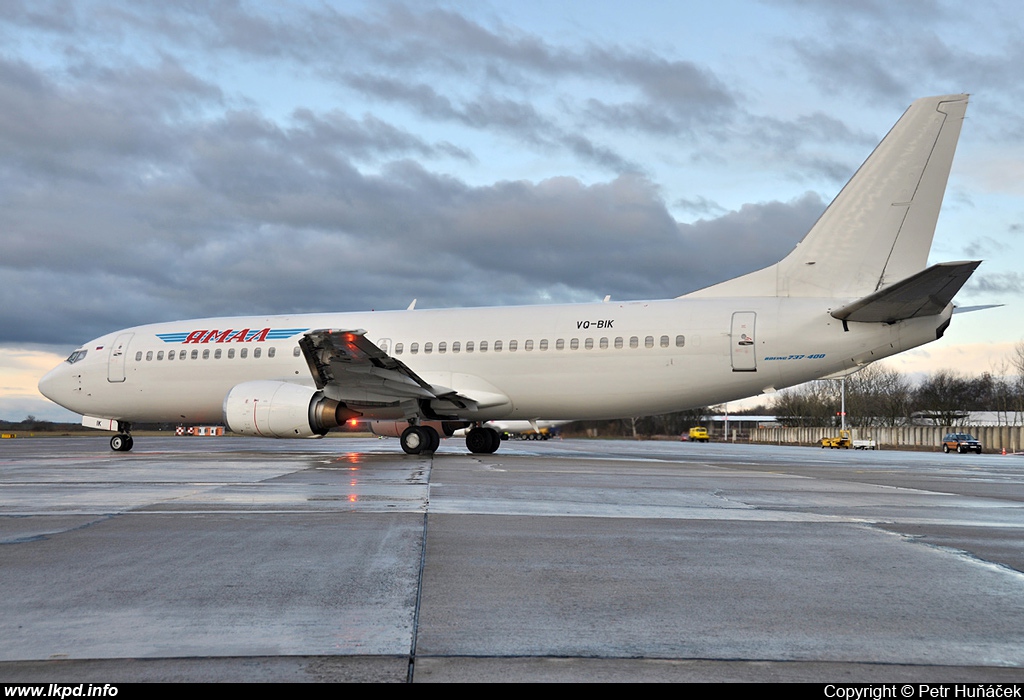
x: 351, y: 365
x: 926, y: 293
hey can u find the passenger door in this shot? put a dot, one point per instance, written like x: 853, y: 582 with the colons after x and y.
x: 118, y: 357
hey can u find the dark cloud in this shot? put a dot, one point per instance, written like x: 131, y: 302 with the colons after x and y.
x: 519, y: 119
x: 267, y: 233
x: 984, y: 247
x: 885, y: 51
x: 1003, y: 283
x: 877, y: 9
x: 47, y: 15
x: 104, y: 121
x: 415, y: 54
x: 699, y: 206
x: 839, y: 67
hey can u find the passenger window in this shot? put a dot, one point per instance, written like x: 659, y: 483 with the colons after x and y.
x: 399, y: 347
x: 270, y: 352
x: 649, y: 341
x: 149, y: 355
x: 414, y: 348
x: 497, y: 346
x: 543, y: 344
x: 243, y: 353
x: 604, y: 343
x: 195, y: 354
x: 513, y: 345
x: 428, y: 348
x: 528, y: 345
x: 483, y: 346
x: 206, y: 353
x: 296, y: 351
x: 442, y: 347
x: 574, y: 344
x: 618, y: 343
x: 160, y: 355
x: 634, y: 342
x: 559, y: 344
x: 456, y: 346
x: 138, y: 356
x: 216, y: 354
x: 469, y: 346
x: 664, y: 341
x: 256, y: 352
x: 231, y: 353
x: 588, y: 343
x: 680, y: 341
x: 170, y: 355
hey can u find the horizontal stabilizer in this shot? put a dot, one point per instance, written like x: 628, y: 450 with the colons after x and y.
x: 926, y: 293
x: 979, y: 307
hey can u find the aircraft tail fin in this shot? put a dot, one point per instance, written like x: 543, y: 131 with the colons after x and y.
x: 879, y: 229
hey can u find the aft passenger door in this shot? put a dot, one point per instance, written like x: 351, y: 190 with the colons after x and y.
x: 742, y: 342
x: 118, y: 356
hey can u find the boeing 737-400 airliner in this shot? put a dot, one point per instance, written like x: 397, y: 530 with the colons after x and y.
x: 856, y: 289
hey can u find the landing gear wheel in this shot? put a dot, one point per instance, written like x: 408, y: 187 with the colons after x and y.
x: 433, y: 439
x: 414, y: 440
x: 483, y: 441
x: 121, y: 443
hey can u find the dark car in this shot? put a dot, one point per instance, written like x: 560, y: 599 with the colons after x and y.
x: 961, y: 442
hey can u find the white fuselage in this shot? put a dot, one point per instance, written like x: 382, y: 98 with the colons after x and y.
x: 603, y: 360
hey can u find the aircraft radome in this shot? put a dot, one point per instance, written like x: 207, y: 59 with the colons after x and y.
x: 853, y: 291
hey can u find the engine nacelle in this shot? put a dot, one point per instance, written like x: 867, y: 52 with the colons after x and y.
x: 394, y: 428
x: 282, y: 410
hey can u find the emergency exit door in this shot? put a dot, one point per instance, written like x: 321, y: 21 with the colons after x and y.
x: 743, y: 342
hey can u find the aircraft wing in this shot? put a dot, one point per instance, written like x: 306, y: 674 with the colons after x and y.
x: 923, y: 294
x: 348, y: 367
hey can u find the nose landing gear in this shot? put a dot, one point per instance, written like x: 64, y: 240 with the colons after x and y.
x: 122, y: 442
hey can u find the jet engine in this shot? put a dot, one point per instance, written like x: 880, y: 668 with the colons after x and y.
x: 282, y: 410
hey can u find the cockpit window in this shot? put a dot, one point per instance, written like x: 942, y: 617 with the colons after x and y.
x: 76, y: 356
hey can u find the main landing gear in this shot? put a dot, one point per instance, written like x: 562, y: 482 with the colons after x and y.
x: 122, y: 442
x: 483, y: 440
x: 423, y: 439
x: 420, y: 438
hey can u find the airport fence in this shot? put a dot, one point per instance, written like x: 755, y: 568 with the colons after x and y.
x: 993, y: 438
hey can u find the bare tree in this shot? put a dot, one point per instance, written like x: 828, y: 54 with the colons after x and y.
x: 878, y: 396
x: 945, y: 397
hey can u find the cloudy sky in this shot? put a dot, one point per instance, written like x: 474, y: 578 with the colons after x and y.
x: 172, y: 160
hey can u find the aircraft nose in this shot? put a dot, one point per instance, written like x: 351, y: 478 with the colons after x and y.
x: 55, y: 385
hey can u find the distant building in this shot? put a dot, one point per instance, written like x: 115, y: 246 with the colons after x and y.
x: 971, y: 418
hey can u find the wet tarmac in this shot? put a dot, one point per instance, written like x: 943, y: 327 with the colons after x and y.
x: 345, y: 559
